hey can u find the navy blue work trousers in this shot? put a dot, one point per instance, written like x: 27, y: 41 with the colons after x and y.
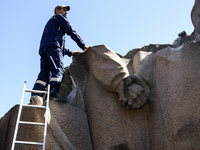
x: 51, y: 69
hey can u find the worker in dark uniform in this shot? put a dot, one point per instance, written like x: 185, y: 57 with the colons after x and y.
x: 52, y: 50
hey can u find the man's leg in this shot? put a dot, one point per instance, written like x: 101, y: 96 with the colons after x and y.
x: 55, y: 58
x: 43, y: 77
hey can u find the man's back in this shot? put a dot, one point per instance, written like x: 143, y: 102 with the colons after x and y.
x: 53, y: 34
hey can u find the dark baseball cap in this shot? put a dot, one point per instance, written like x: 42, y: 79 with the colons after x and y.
x: 61, y: 6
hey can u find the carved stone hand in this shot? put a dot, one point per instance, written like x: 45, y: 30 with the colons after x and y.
x: 133, y: 92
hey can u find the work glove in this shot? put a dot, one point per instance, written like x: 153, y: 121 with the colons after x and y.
x: 85, y: 48
x: 76, y: 52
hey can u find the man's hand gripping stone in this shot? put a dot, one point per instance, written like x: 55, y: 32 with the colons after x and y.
x: 133, y: 92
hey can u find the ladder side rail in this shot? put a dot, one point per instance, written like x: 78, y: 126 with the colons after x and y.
x: 46, y: 116
x: 18, y: 118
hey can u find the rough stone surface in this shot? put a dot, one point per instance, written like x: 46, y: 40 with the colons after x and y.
x: 7, y: 126
x: 169, y: 120
x: 174, y: 77
x: 184, y: 37
x: 36, y: 100
x: 112, y: 74
x: 195, y: 15
x: 73, y: 122
x: 66, y: 87
x: 149, y: 48
x: 67, y: 128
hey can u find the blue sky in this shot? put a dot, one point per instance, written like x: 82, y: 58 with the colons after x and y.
x: 122, y: 25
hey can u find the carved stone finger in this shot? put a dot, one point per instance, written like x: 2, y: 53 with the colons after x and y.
x: 136, y: 103
x: 123, y: 101
x: 131, y: 100
x: 141, y: 99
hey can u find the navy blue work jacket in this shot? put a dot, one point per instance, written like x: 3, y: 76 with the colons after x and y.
x: 54, y: 33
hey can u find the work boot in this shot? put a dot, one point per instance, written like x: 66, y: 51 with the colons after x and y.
x: 53, y: 94
x: 36, y: 100
x: 53, y: 98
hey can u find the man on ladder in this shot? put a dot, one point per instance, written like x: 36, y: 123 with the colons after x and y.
x: 52, y: 50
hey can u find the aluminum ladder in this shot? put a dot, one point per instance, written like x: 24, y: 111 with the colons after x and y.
x: 31, y: 123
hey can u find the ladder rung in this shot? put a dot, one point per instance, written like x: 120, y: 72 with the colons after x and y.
x: 31, y: 143
x: 37, y: 106
x: 36, y: 91
x: 32, y: 123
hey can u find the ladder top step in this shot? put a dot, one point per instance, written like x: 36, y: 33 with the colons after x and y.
x: 30, y: 143
x: 32, y: 123
x: 36, y: 91
x: 36, y: 106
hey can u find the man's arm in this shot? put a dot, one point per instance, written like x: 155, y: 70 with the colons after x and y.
x: 63, y: 22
